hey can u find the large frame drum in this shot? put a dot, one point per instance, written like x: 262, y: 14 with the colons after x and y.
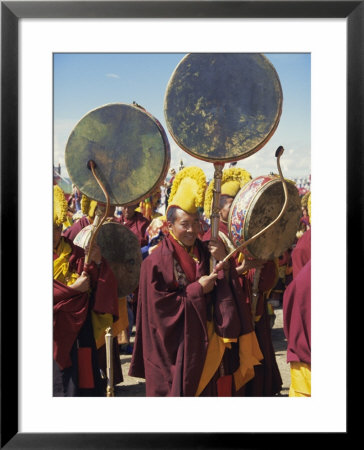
x: 130, y: 150
x: 255, y: 206
x: 222, y: 107
x: 121, y: 248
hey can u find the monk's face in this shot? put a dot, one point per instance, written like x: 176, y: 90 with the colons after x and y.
x: 129, y: 211
x: 57, y: 231
x: 186, y: 227
x: 224, y: 211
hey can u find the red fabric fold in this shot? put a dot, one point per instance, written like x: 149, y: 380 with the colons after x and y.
x: 69, y: 314
x: 186, y: 261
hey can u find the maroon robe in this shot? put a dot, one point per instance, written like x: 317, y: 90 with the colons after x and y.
x: 267, y: 380
x: 72, y: 231
x: 301, y: 254
x: 171, y: 330
x: 138, y: 224
x: 72, y: 323
x: 297, y: 316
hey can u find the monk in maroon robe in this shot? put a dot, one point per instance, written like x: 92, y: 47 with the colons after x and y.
x: 177, y: 296
x: 267, y: 380
x: 136, y: 222
x: 297, y: 318
x: 76, y: 368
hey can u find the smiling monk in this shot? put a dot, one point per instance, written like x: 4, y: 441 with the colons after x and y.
x: 184, y: 311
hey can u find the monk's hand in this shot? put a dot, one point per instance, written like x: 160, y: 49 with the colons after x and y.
x: 217, y: 249
x: 208, y: 282
x: 95, y: 254
x: 82, y: 283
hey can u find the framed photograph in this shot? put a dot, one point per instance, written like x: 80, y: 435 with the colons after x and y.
x: 32, y: 33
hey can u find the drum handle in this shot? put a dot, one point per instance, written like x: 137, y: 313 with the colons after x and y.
x: 278, y: 154
x: 91, y: 165
x: 109, y: 362
x: 255, y: 294
x: 215, y: 216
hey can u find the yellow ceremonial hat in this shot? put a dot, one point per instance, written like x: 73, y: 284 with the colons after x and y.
x: 60, y: 206
x: 88, y: 206
x: 188, y: 190
x: 309, y: 206
x: 233, y: 179
x: 304, y: 199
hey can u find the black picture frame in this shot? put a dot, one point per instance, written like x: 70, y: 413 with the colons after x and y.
x: 11, y: 12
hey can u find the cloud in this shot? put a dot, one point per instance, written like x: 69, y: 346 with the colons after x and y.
x: 112, y: 75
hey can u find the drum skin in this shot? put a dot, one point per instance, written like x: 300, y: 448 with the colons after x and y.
x: 222, y: 107
x: 121, y: 248
x: 257, y: 205
x: 129, y: 147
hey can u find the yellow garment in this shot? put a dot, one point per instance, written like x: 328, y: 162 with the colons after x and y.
x: 67, y: 223
x: 61, y: 265
x: 100, y: 322
x: 215, y: 352
x: 300, y: 379
x: 250, y: 355
x: 121, y: 324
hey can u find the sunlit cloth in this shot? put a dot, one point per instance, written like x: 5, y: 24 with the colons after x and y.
x: 300, y: 380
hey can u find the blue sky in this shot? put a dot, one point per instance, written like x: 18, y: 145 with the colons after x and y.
x: 83, y: 82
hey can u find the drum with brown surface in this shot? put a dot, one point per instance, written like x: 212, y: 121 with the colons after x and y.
x: 130, y: 150
x: 121, y: 248
x: 222, y: 107
x: 255, y: 206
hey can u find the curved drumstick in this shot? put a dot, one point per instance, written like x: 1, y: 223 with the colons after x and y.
x: 278, y: 154
x: 91, y: 165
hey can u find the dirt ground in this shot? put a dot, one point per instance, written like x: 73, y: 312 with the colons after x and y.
x: 135, y: 387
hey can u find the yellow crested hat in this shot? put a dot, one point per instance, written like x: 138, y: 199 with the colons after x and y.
x: 188, y: 190
x: 309, y: 206
x: 60, y: 206
x: 233, y: 179
x: 88, y: 206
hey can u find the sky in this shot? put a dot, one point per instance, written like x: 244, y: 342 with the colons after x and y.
x: 85, y: 81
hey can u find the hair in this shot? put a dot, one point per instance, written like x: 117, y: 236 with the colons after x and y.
x: 172, y: 213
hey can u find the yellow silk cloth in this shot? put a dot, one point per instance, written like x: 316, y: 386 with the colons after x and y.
x: 215, y: 352
x: 61, y: 273
x: 61, y: 265
x: 103, y: 321
x: 300, y: 379
x: 249, y: 353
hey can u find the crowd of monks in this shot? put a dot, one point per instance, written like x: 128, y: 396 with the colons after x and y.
x: 196, y: 332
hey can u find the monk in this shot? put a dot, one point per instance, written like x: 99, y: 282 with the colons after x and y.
x: 267, y: 380
x: 137, y: 223
x: 297, y: 318
x: 78, y: 293
x: 187, y: 316
x: 297, y: 329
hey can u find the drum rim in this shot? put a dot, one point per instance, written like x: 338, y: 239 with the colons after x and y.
x: 245, y: 187
x: 233, y: 158
x: 272, y: 179
x: 166, y: 146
